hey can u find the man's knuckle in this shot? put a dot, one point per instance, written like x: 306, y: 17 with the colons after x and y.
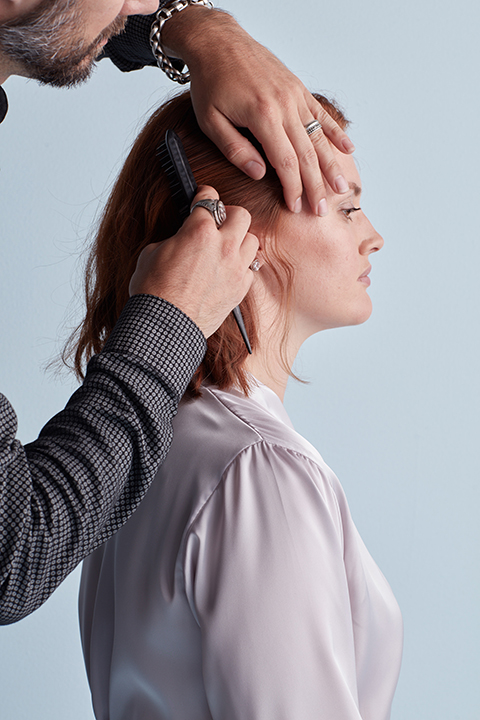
x: 203, y: 226
x: 267, y: 111
x: 228, y: 250
x: 244, y: 215
x: 233, y: 151
x: 207, y: 121
x: 319, y: 139
x: 335, y: 131
x: 309, y: 157
x: 286, y: 99
x: 330, y: 167
x: 289, y: 162
x: 318, y: 189
x: 206, y: 189
x: 239, y: 219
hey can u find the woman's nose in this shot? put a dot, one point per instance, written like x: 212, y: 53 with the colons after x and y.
x: 377, y: 242
x: 373, y: 241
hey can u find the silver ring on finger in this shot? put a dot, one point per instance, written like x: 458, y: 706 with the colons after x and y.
x: 216, y: 208
x: 255, y: 266
x: 312, y: 127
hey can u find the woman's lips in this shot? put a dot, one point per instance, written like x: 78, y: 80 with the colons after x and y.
x: 364, y: 277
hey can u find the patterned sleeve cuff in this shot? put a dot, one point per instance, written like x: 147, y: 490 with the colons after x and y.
x: 131, y: 49
x: 162, y: 335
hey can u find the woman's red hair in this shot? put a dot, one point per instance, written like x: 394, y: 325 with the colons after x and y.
x: 140, y: 211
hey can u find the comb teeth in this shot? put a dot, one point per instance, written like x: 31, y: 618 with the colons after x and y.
x: 180, y: 177
x: 177, y: 192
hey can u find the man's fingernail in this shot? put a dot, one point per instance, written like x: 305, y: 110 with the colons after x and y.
x: 298, y: 206
x: 254, y: 170
x: 348, y: 145
x: 341, y: 184
x: 322, y: 208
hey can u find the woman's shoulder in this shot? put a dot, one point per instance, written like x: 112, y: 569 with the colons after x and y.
x: 244, y: 453
x: 217, y: 429
x: 211, y: 429
x: 228, y: 422
x: 228, y: 445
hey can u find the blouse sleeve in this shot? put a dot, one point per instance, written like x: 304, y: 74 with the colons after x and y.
x: 265, y: 579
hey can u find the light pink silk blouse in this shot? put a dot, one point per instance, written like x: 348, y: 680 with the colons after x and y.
x: 240, y: 589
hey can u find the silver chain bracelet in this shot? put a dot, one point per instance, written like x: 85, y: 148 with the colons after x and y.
x: 164, y: 14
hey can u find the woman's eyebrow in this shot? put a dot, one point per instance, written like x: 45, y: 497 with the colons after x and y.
x: 357, y: 190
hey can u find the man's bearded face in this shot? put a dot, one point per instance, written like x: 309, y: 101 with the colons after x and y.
x: 48, y: 45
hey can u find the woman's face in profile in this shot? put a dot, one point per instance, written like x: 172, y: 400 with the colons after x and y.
x: 331, y: 259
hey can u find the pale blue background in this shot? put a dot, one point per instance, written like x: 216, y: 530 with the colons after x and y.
x: 393, y: 405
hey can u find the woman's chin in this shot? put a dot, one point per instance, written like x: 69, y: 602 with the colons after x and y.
x: 364, y: 313
x: 359, y: 314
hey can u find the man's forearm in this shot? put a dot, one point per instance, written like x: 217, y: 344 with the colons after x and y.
x: 67, y: 492
x: 185, y: 33
x: 132, y: 50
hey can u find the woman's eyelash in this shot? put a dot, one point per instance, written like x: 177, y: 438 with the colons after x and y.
x: 348, y: 211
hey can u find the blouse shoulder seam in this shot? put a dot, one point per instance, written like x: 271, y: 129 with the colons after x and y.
x: 260, y: 441
x: 232, y: 412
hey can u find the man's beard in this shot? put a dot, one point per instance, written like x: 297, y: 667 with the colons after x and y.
x: 47, y: 44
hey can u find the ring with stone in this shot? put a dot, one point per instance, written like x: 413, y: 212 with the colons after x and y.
x: 312, y: 127
x: 255, y: 266
x: 216, y: 208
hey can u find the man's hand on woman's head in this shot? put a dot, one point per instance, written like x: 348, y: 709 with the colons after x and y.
x: 236, y: 82
x: 203, y: 270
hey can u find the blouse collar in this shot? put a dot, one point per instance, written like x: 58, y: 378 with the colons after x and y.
x: 269, y: 400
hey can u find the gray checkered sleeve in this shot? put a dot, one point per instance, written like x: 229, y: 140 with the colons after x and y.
x: 66, y: 493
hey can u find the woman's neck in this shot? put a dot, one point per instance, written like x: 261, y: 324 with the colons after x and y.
x: 280, y: 338
x: 272, y: 361
x: 273, y: 375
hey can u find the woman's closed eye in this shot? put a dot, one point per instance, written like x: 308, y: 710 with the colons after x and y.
x: 348, y: 212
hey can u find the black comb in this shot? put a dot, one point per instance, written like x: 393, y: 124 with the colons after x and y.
x: 172, y: 157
